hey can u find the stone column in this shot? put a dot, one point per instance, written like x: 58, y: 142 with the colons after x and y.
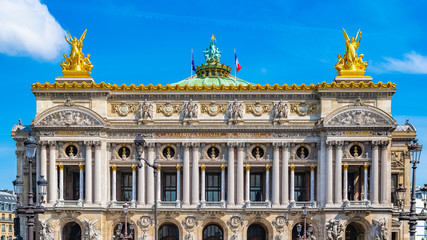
x: 230, y: 168
x: 98, y: 172
x: 385, y: 174
x: 43, y: 160
x: 202, y: 185
x: 186, y: 177
x: 365, y: 183
x: 338, y: 173
x: 81, y: 186
x: 61, y: 182
x: 113, y: 183
x: 159, y: 183
x: 345, y: 184
x: 150, y: 175
x: 52, y: 178
x: 276, y: 176
x: 285, y: 174
x: 133, y: 202
x: 248, y: 184
x: 222, y: 183
x: 178, y: 184
x: 141, y: 184
x: 195, y: 178
x: 267, y: 183
x: 374, y: 174
x: 240, y: 174
x: 88, y: 179
x: 312, y: 184
x: 329, y: 179
x: 292, y: 183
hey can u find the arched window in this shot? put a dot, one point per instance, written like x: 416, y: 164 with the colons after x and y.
x: 120, y: 229
x: 213, y: 232
x: 71, y: 231
x: 256, y: 232
x: 354, y: 231
x: 169, y: 232
x: 295, y: 232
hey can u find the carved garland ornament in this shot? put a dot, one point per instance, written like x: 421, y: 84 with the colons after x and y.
x: 168, y: 109
x: 123, y: 109
x: 257, y: 109
x: 234, y: 223
x: 144, y: 222
x: 69, y: 117
x: 279, y: 223
x: 304, y: 109
x: 213, y: 109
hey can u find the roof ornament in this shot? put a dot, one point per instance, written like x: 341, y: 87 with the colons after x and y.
x: 212, y: 54
x: 351, y: 64
x: 76, y: 65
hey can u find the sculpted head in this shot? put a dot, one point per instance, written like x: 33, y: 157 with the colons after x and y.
x: 352, y: 39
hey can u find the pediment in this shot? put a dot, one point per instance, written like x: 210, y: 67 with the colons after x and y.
x: 68, y: 117
x: 359, y: 116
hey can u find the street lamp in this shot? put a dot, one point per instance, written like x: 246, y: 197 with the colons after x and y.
x: 400, y: 195
x: 308, y: 230
x: 119, y: 229
x: 140, y: 143
x: 412, y: 217
x: 30, y: 210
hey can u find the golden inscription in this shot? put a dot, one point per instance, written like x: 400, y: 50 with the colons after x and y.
x: 69, y: 133
x: 358, y: 133
x: 214, y: 135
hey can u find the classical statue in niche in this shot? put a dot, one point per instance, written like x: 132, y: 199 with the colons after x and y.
x: 145, y: 110
x: 280, y: 110
x: 190, y: 109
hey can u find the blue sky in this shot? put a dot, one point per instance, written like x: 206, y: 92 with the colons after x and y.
x: 150, y: 42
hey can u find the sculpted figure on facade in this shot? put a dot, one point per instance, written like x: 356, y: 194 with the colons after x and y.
x: 189, y: 223
x: 280, y: 110
x: 77, y: 64
x: 235, y: 111
x: 91, y: 231
x: 145, y: 111
x: 334, y: 229
x: 351, y: 63
x: 234, y: 223
x: 190, y: 109
x: 46, y: 230
x: 357, y: 117
x: 380, y: 229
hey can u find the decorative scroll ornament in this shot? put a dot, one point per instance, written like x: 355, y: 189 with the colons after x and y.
x: 280, y: 110
x: 77, y: 64
x: 91, y: 231
x: 168, y: 109
x: 69, y: 117
x: 46, y: 230
x: 190, y: 109
x: 358, y: 117
x: 144, y: 222
x: 279, y: 223
x: 257, y: 109
x: 213, y: 109
x: 351, y: 64
x: 189, y: 223
x: 334, y: 229
x: 304, y: 109
x: 235, y: 111
x: 380, y: 229
x: 234, y: 223
x: 123, y: 109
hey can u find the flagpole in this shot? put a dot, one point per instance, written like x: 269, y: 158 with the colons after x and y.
x: 235, y: 67
x: 191, y: 65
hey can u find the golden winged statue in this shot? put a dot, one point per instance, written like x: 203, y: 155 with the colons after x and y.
x: 351, y: 64
x: 77, y: 64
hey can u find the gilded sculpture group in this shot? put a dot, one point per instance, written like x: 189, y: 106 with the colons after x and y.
x: 349, y: 65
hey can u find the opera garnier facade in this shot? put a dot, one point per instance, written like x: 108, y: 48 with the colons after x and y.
x: 234, y: 160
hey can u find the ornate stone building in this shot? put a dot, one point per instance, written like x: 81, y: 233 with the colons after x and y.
x: 236, y: 160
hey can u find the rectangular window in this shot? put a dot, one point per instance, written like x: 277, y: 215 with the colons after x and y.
x: 2, y: 217
x: 394, y: 185
x: 3, y: 228
x: 300, y: 189
x: 169, y: 187
x: 257, y: 187
x: 213, y: 187
x: 126, y: 186
x: 10, y: 228
x: 10, y: 217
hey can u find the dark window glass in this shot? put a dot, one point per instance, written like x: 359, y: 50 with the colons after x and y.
x: 394, y: 181
x: 351, y: 233
x: 212, y: 232
x: 126, y: 187
x: 257, y: 187
x: 213, y: 187
x: 256, y: 232
x: 213, y: 152
x: 168, y: 232
x: 169, y: 187
x: 300, y: 191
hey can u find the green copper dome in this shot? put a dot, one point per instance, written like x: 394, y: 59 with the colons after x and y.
x: 209, y: 81
x: 212, y: 72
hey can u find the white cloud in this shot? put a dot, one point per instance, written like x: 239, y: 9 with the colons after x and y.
x: 28, y: 29
x: 412, y: 62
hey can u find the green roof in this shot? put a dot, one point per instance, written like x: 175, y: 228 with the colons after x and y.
x: 209, y: 81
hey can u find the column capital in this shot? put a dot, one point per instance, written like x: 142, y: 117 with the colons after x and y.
x: 222, y: 168
x: 43, y: 144
x: 366, y: 166
x: 248, y: 167
x: 114, y: 168
x: 345, y: 167
x: 240, y: 145
x: 203, y: 167
x: 97, y: 144
x: 292, y: 168
x: 178, y: 168
x: 81, y: 167
x: 88, y: 143
x: 52, y: 143
x: 195, y: 145
x: 312, y: 168
x: 375, y: 144
x: 339, y: 143
x: 61, y: 167
x: 150, y: 145
x: 330, y: 144
x: 267, y: 167
x: 286, y: 145
x: 133, y: 168
x: 276, y: 145
x: 384, y: 143
x: 231, y: 145
x: 186, y: 145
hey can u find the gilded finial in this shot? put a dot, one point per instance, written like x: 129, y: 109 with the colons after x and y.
x: 76, y: 64
x: 213, y: 37
x: 71, y: 152
x: 351, y: 64
x: 123, y: 152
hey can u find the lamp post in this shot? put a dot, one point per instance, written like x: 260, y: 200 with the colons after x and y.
x: 140, y: 143
x: 308, y: 231
x: 30, y: 210
x: 119, y: 232
x: 412, y: 217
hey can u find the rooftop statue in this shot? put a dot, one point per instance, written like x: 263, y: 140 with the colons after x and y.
x: 76, y: 65
x: 351, y: 64
x: 212, y: 54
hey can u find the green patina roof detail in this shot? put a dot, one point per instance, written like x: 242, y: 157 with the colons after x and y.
x: 209, y: 81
